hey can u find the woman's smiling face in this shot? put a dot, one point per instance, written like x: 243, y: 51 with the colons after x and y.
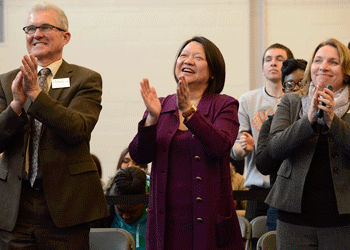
x: 326, y: 68
x: 192, y: 64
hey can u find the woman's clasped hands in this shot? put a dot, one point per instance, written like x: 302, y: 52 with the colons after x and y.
x: 325, y: 96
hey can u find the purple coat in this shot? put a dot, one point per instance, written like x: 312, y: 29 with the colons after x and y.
x: 214, y: 128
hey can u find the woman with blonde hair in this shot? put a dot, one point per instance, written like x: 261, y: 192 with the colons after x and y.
x: 312, y: 189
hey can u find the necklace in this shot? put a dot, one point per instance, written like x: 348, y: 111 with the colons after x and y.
x: 278, y: 98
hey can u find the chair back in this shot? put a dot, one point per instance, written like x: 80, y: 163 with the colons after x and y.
x: 111, y: 238
x: 245, y: 227
x: 259, y: 227
x: 246, y: 230
x: 267, y: 241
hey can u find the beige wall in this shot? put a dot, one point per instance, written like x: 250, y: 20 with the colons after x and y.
x: 303, y: 24
x: 126, y: 40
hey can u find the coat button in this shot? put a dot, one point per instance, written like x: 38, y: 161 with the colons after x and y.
x: 197, y: 158
x: 198, y: 199
x: 19, y: 178
x: 334, y: 155
x: 198, y: 178
x: 193, y: 136
x: 199, y: 220
x: 336, y: 170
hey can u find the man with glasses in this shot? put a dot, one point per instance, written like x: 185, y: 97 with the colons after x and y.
x: 49, y: 186
x: 255, y: 107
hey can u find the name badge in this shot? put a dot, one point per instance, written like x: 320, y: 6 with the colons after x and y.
x: 60, y: 83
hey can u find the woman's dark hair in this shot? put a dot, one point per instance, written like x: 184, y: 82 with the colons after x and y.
x: 290, y: 65
x: 121, y: 158
x: 111, y: 181
x: 129, y: 181
x: 216, y: 64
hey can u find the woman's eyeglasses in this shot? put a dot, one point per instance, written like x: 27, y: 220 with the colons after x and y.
x: 291, y: 85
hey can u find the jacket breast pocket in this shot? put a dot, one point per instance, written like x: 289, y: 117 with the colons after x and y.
x: 285, y: 169
x: 82, y: 168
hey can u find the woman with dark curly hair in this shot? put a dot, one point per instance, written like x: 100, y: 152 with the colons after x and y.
x: 292, y: 74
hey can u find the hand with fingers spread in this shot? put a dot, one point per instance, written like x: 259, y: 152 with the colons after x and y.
x: 151, y: 101
x: 183, y: 95
x: 30, y: 80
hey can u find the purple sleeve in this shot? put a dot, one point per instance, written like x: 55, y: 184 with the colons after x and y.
x: 217, y: 136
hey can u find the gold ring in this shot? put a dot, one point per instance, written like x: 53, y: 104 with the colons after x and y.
x: 329, y: 106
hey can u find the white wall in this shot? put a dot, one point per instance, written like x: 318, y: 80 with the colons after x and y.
x: 126, y: 40
x: 303, y: 24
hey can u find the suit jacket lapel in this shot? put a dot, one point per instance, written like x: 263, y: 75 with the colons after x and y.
x: 205, y: 103
x: 63, y: 72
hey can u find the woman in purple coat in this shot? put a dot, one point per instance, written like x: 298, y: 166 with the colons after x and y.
x: 188, y: 137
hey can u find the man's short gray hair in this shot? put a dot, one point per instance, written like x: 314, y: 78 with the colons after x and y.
x: 62, y: 20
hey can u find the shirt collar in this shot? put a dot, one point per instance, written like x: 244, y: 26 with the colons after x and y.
x: 53, y: 67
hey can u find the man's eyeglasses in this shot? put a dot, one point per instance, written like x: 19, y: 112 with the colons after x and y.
x: 45, y: 28
x: 291, y: 85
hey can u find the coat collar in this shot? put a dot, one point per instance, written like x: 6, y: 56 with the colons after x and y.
x: 203, y: 105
